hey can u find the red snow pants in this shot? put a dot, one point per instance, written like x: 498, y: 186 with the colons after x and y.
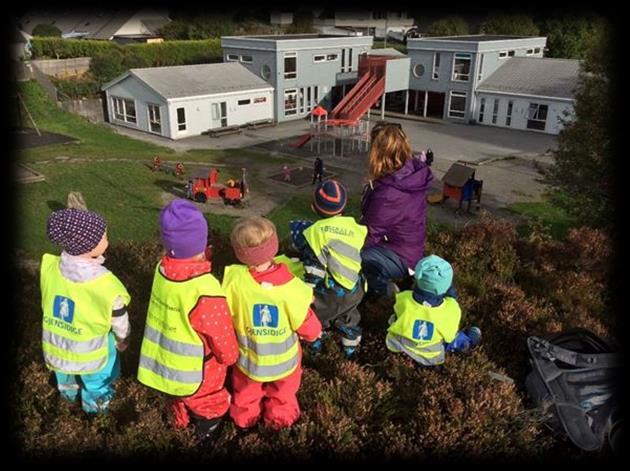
x: 277, y: 400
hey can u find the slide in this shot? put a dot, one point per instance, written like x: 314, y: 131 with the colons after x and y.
x: 303, y: 140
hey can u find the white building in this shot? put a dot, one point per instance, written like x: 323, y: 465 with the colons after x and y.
x: 183, y: 101
x: 528, y: 93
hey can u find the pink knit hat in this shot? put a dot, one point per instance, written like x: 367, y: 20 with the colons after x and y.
x: 252, y: 256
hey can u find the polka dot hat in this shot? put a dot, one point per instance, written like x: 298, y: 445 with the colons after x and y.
x: 76, y: 231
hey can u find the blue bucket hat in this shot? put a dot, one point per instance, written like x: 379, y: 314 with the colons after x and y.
x: 434, y: 275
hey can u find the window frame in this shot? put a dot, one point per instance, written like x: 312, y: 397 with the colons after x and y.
x: 480, y: 72
x: 125, y: 116
x: 289, y: 92
x: 181, y: 123
x: 495, y: 110
x: 482, y: 108
x: 262, y: 74
x: 244, y: 102
x: 251, y: 59
x: 231, y: 57
x: 508, y: 115
x: 151, y: 107
x: 290, y: 55
x: 435, y: 74
x: 503, y: 54
x: 450, y: 103
x: 535, y: 118
x: 414, y: 72
x: 316, y: 60
x: 455, y: 58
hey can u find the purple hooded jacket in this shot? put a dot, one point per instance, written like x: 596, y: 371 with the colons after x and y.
x: 394, y: 211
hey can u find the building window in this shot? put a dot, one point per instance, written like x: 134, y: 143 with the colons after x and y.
x: 247, y: 59
x: 503, y: 54
x: 309, y: 101
x: 315, y: 95
x: 495, y: 111
x: 436, y: 66
x: 265, y: 72
x: 244, y: 102
x: 418, y: 70
x: 301, y: 97
x: 319, y: 58
x: 261, y: 99
x: 482, y: 109
x: 232, y: 57
x: 290, y: 65
x: 332, y: 57
x: 529, y: 52
x: 124, y: 110
x: 290, y: 102
x: 343, y: 60
x: 537, y: 116
x: 537, y: 50
x: 457, y: 105
x: 349, y: 59
x: 510, y: 53
x: 479, y: 75
x: 155, y: 124
x: 461, y: 67
x: 181, y: 119
x: 508, y: 117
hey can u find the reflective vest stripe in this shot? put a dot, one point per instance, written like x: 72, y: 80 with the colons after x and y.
x: 336, y: 268
x: 173, y: 346
x: 344, y: 249
x: 265, y: 371
x: 395, y: 343
x: 432, y: 348
x: 181, y: 376
x: 75, y: 366
x: 269, y: 348
x: 73, y: 346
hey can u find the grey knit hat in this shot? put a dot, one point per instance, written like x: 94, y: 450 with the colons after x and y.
x: 76, y: 231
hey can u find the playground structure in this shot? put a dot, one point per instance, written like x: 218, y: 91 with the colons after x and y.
x: 346, y: 129
x: 206, y: 186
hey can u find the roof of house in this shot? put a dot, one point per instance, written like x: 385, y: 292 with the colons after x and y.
x: 475, y: 38
x: 389, y: 51
x: 547, y: 77
x: 196, y: 80
x: 95, y: 24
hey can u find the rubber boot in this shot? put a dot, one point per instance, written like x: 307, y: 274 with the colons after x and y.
x: 350, y: 339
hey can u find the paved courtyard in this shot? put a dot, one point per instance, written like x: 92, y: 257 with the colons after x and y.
x: 508, y: 161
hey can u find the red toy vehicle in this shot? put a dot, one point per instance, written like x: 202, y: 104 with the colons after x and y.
x: 208, y: 187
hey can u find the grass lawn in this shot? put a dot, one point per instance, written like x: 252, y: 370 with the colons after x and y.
x: 554, y: 220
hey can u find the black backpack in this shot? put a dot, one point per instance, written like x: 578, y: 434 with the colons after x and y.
x: 574, y: 380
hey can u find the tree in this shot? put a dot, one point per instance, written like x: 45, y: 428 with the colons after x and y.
x: 583, y: 172
x: 449, y: 26
x: 46, y: 30
x: 175, y: 30
x: 572, y: 37
x: 509, y: 25
x: 107, y: 65
x: 302, y: 22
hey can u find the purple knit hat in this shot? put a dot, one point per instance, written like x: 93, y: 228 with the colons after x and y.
x: 76, y: 231
x: 183, y: 228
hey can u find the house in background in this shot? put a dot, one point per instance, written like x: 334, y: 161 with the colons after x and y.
x: 304, y: 69
x: 366, y: 22
x: 277, y: 18
x: 184, y: 101
x: 20, y: 45
x: 112, y: 25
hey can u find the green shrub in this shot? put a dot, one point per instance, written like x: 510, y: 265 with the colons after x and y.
x: 58, y: 48
x: 178, y: 52
x: 77, y: 87
x: 46, y: 30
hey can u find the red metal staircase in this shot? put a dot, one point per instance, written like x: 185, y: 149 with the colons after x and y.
x: 366, y: 91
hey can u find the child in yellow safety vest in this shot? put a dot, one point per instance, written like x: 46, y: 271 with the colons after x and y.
x: 189, y: 339
x: 330, y: 251
x: 85, y: 320
x: 271, y: 312
x: 426, y: 320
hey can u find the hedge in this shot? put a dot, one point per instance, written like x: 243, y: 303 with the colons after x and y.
x: 58, y: 48
x: 155, y: 54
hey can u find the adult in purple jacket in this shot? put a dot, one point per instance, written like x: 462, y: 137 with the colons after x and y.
x: 393, y: 208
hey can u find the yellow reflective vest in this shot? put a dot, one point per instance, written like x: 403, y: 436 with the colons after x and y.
x: 265, y: 319
x: 171, y: 355
x: 77, y: 318
x: 420, y: 331
x: 337, y: 242
x: 294, y: 265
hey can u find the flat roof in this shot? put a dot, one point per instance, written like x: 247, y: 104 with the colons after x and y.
x: 286, y: 37
x: 476, y: 38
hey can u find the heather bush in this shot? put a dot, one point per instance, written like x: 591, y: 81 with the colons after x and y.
x: 378, y: 405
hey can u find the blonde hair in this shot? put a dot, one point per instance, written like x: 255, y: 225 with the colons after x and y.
x: 252, y: 231
x: 389, y: 150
